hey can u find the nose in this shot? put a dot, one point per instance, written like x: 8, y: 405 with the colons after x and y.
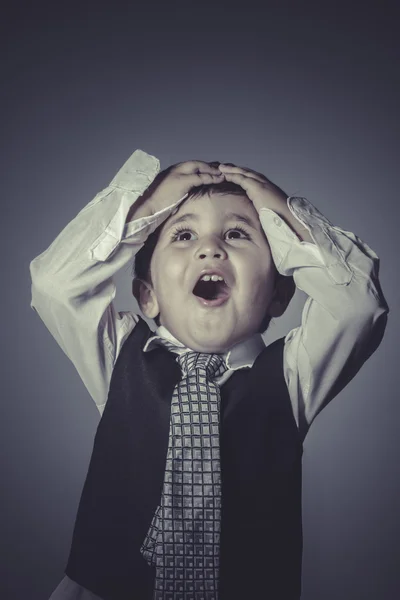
x: 211, y: 247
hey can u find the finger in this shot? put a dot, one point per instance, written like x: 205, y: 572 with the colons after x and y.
x: 206, y: 178
x: 246, y: 182
x: 252, y: 185
x: 214, y: 163
x: 243, y: 171
x: 229, y: 167
x: 197, y: 166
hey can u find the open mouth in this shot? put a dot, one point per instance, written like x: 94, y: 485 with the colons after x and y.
x: 211, y: 289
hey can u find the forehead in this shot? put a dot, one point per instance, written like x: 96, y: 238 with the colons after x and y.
x: 221, y: 199
x: 214, y: 205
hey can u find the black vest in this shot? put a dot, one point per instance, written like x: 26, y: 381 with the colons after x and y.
x: 261, y: 452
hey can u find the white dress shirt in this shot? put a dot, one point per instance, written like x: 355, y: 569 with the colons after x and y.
x: 342, y: 322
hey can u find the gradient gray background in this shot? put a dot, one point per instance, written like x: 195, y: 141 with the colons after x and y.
x: 307, y: 95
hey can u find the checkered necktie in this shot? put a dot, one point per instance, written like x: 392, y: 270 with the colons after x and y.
x: 183, y: 539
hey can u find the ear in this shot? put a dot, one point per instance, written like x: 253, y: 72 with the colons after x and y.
x: 146, y: 298
x: 283, y: 293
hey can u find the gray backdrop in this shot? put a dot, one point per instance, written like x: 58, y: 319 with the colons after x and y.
x: 308, y: 95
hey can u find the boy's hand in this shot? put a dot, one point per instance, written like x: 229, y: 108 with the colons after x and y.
x: 264, y: 194
x: 172, y: 184
x: 261, y: 191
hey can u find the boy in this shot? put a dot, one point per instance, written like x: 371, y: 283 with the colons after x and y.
x: 194, y: 485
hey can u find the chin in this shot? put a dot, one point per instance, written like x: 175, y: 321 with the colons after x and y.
x: 204, y: 344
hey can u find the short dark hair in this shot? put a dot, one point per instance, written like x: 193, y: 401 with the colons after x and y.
x: 141, y: 267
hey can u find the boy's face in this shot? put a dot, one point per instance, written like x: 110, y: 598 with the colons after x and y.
x: 217, y: 233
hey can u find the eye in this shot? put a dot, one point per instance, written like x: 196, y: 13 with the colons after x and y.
x: 184, y: 234
x: 181, y: 234
x: 237, y: 233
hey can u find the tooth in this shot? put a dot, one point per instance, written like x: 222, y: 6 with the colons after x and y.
x: 206, y: 278
x: 214, y: 277
x: 220, y: 278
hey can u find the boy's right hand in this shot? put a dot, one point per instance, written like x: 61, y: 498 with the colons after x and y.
x: 172, y: 184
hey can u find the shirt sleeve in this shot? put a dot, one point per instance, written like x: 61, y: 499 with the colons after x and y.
x: 344, y: 316
x: 72, y: 281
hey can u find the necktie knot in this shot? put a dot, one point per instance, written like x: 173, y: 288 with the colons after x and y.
x: 210, y: 365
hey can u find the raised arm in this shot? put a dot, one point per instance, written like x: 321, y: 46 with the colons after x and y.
x: 345, y: 315
x: 72, y: 281
x: 344, y: 318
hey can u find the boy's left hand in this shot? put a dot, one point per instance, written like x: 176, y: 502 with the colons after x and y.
x: 262, y: 192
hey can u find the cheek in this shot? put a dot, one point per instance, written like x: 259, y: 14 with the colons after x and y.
x: 260, y: 292
x: 172, y: 273
x: 258, y: 275
x: 259, y: 289
x: 167, y: 274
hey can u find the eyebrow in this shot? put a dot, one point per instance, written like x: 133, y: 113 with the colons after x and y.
x: 230, y: 216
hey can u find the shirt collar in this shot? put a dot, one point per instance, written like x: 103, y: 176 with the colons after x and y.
x: 239, y: 356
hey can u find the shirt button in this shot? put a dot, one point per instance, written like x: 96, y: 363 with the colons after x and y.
x: 277, y: 221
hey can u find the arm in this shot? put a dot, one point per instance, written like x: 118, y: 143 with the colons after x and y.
x: 72, y: 281
x: 345, y: 315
